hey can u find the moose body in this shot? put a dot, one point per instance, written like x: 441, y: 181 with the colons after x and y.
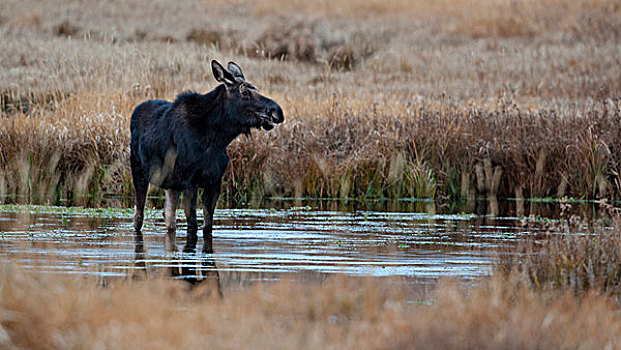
x: 181, y: 146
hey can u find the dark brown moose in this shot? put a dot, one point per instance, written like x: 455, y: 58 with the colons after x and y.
x: 181, y: 146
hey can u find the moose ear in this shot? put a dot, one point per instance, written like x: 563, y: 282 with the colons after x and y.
x: 221, y: 74
x: 235, y: 70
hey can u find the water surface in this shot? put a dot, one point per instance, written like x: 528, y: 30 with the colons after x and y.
x: 262, y: 244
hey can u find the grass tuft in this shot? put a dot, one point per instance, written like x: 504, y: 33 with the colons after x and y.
x: 580, y: 263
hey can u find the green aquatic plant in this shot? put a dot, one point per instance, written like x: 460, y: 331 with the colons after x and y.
x: 66, y: 212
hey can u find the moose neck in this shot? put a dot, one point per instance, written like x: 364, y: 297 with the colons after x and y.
x: 221, y: 129
x: 210, y: 116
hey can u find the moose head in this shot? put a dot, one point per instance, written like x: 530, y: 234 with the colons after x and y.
x: 243, y: 100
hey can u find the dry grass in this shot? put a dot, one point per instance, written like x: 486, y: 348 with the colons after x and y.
x: 47, y: 311
x: 577, y: 262
x: 478, y: 18
x: 458, y: 98
x: 390, y: 98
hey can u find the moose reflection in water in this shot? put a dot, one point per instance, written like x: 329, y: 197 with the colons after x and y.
x: 191, y: 267
x: 181, y: 146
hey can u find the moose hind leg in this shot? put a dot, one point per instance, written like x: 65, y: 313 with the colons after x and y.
x: 170, y: 217
x: 141, y: 196
x: 141, y: 186
x: 189, y: 207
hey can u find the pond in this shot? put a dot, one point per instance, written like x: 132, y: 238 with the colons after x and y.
x: 415, y: 242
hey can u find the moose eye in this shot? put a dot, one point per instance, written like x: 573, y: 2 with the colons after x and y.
x: 245, y: 92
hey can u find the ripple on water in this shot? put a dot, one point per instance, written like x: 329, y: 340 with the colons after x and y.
x: 262, y: 243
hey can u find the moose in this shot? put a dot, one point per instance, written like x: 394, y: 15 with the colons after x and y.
x: 181, y: 146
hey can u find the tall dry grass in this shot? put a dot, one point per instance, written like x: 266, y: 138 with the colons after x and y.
x: 417, y: 151
x: 427, y: 148
x: 418, y: 100
x: 574, y: 261
x: 48, y: 311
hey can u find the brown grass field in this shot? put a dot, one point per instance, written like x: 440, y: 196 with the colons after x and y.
x: 450, y: 99
x: 389, y: 99
x: 51, y: 312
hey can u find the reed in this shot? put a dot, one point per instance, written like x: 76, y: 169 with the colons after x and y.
x: 576, y: 262
x: 411, y: 154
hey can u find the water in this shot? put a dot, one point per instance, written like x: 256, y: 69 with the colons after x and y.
x: 261, y: 244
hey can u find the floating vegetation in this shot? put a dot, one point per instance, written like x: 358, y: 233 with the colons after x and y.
x: 67, y: 212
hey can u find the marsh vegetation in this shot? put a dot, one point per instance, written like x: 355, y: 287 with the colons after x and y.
x: 457, y: 99
x: 447, y: 101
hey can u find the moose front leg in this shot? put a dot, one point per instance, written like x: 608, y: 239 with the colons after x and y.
x: 210, y: 198
x: 170, y: 217
x: 189, y: 207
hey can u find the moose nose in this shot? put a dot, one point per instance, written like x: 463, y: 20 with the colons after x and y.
x: 277, y: 115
